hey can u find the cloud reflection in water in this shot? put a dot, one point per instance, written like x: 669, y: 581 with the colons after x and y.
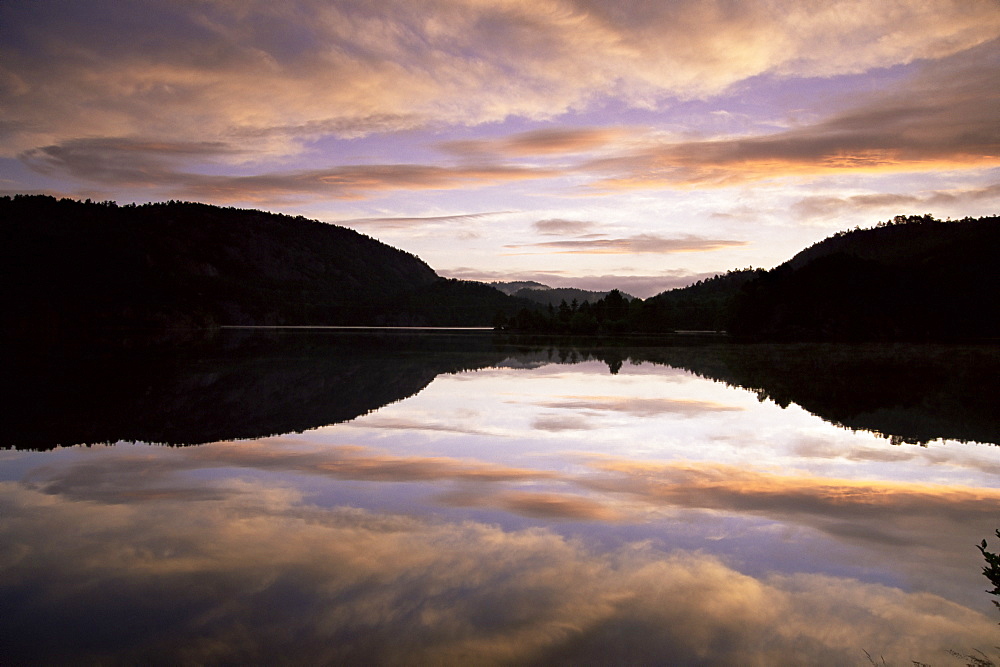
x: 259, y: 574
x: 161, y: 563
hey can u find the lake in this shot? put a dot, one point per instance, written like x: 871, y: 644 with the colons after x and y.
x: 375, y: 497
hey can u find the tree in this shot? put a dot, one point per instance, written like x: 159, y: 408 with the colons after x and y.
x: 992, y: 568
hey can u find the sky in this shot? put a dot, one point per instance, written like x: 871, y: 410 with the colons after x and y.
x: 598, y: 144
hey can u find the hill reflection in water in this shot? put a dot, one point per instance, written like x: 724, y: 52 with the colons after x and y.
x: 253, y: 383
x: 529, y: 502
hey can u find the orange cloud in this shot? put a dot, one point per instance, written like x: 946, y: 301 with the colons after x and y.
x: 535, y: 504
x: 943, y: 118
x: 349, y: 462
x: 856, y: 509
x: 552, y: 141
x: 273, y: 75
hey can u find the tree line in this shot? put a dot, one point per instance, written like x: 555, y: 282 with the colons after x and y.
x: 909, y: 278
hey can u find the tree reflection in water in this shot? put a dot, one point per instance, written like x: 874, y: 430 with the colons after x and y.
x: 571, y: 502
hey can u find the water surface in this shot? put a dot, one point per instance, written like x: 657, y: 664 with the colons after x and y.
x: 459, y: 498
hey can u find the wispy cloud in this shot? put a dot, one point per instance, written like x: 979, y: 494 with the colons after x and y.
x: 942, y: 118
x: 637, y: 407
x: 115, y: 160
x: 826, y: 207
x: 882, y: 512
x: 538, y: 505
x: 422, y: 222
x: 557, y: 423
x: 638, y: 244
x: 155, y: 164
x: 357, y: 463
x: 550, y: 141
x: 560, y: 227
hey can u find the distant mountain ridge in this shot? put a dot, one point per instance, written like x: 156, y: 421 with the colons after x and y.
x: 510, y: 288
x: 545, y: 295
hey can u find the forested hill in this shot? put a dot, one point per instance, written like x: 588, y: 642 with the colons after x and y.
x: 911, y: 278
x: 550, y: 296
x: 71, y: 265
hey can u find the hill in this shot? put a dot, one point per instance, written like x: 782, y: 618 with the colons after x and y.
x: 73, y: 267
x: 550, y: 296
x: 913, y: 278
x: 706, y: 305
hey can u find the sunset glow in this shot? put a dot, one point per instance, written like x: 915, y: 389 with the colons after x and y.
x: 591, y: 143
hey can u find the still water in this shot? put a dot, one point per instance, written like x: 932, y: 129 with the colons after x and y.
x: 377, y: 498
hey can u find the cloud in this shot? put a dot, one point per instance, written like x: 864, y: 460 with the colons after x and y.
x: 357, y: 181
x: 135, y: 478
x: 560, y: 227
x: 559, y: 423
x: 113, y: 161
x: 357, y: 463
x: 448, y: 221
x: 549, y: 141
x: 638, y: 244
x: 538, y: 505
x: 943, y: 117
x: 637, y: 407
x: 266, y: 578
x: 823, y: 449
x: 886, y: 513
x: 892, y: 203
x: 283, y: 74
x: 121, y: 161
x: 413, y: 424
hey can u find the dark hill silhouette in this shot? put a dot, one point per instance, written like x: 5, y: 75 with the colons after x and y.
x: 704, y: 306
x: 70, y: 266
x: 74, y: 268
x: 449, y: 302
x: 915, y: 278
